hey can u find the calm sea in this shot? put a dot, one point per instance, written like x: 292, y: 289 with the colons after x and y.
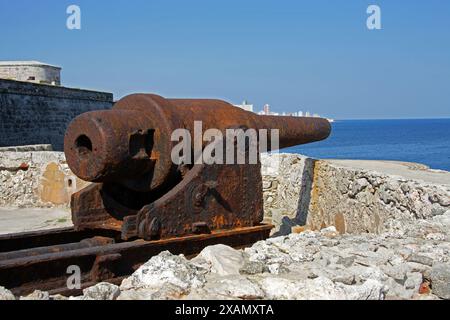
x: 422, y: 141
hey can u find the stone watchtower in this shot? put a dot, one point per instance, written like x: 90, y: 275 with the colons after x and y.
x: 30, y: 71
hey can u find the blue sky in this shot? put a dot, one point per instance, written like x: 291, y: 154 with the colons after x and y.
x: 295, y: 55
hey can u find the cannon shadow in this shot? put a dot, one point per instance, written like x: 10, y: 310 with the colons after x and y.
x: 303, y: 202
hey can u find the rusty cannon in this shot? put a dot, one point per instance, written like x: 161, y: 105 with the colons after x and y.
x: 143, y: 200
x: 138, y: 190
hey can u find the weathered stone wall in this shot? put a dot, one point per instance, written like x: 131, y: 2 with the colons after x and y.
x: 36, y: 179
x: 287, y: 183
x: 39, y: 114
x: 321, y: 193
x: 364, y: 201
x: 35, y: 147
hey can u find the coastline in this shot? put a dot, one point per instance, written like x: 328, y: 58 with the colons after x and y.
x: 424, y: 141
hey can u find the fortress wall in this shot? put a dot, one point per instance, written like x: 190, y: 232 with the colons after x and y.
x: 39, y: 114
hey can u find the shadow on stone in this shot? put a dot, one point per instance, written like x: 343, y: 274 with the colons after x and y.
x: 285, y: 227
x: 305, y: 192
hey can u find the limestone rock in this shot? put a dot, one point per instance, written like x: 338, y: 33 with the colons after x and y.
x: 369, y: 290
x: 101, y: 291
x: 167, y: 292
x: 440, y: 278
x: 397, y: 291
x: 5, y: 294
x: 397, y: 273
x: 414, y: 281
x: 280, y: 288
x: 320, y: 289
x: 357, y: 186
x: 253, y: 267
x: 58, y: 297
x: 165, y: 269
x: 237, y: 287
x: 329, y: 232
x: 421, y: 259
x: 137, y: 294
x: 220, y: 259
x: 364, y: 273
x: 37, y: 295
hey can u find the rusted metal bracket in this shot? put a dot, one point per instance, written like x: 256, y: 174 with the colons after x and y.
x: 210, y: 197
x: 105, y: 267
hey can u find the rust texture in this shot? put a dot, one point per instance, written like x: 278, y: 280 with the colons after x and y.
x: 137, y: 189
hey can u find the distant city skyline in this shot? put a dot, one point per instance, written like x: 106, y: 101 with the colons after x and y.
x: 266, y: 110
x: 296, y: 55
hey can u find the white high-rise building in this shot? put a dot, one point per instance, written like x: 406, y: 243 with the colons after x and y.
x: 246, y: 106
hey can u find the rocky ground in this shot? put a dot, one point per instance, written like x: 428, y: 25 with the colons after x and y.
x: 413, y: 263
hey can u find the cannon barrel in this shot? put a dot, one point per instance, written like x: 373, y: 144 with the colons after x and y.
x: 133, y: 139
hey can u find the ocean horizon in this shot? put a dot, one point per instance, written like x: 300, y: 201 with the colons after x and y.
x: 425, y: 141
